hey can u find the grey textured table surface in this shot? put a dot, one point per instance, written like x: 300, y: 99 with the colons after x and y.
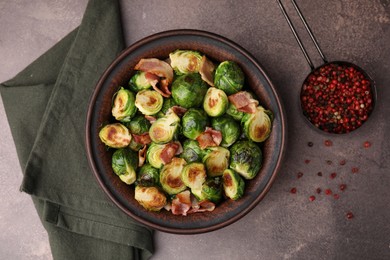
x: 283, y: 225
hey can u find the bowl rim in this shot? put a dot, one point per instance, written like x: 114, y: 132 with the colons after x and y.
x: 241, y: 50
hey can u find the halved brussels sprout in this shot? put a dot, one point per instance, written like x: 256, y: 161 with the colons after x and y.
x: 123, y: 108
x: 170, y: 176
x: 151, y: 198
x: 138, y: 125
x: 115, y: 135
x: 229, y: 77
x: 257, y: 126
x: 229, y: 128
x: 139, y: 82
x: 153, y: 155
x: 194, y: 175
x: 234, y: 112
x: 191, y: 151
x: 233, y: 184
x: 185, y: 61
x: 212, y: 190
x: 168, y: 103
x: 149, y: 102
x: 124, y: 164
x: 246, y: 158
x: 148, y: 176
x: 194, y: 122
x: 216, y: 160
x: 188, y: 90
x: 164, y: 129
x: 215, y: 102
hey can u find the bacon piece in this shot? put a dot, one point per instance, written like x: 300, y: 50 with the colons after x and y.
x: 180, y: 111
x: 244, y: 102
x: 142, y: 155
x: 142, y: 139
x: 209, y: 137
x: 151, y: 78
x: 151, y: 119
x: 206, y: 71
x: 181, y: 204
x: 159, y: 68
x: 201, y: 206
x: 169, y: 151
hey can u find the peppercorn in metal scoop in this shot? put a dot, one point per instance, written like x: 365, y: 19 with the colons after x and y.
x: 336, y: 97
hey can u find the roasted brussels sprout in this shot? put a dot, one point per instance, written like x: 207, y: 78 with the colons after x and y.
x: 149, y: 102
x: 153, y: 155
x: 124, y: 164
x: 148, y: 176
x: 139, y: 82
x: 164, y: 129
x: 234, y: 112
x: 188, y: 90
x: 257, y: 126
x: 194, y: 122
x: 212, y: 190
x: 170, y: 176
x: 194, y: 175
x: 185, y: 61
x: 138, y: 125
x: 216, y: 160
x: 191, y: 151
x: 229, y: 128
x: 115, y: 135
x: 215, y: 102
x: 123, y: 108
x: 233, y: 184
x: 168, y: 103
x: 151, y: 198
x: 229, y: 77
x: 246, y: 158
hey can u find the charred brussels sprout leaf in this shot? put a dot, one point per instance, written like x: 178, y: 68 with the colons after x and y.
x: 215, y: 102
x: 194, y: 122
x: 148, y: 176
x: 123, y: 108
x: 216, y: 160
x: 124, y: 164
x: 115, y: 135
x: 246, y: 158
x: 233, y: 184
x: 164, y: 129
x: 139, y: 125
x: 188, y: 90
x: 153, y: 155
x: 234, y: 112
x: 194, y: 175
x: 151, y: 198
x: 192, y: 151
x: 139, y: 82
x: 229, y: 128
x: 212, y: 190
x: 149, y: 102
x: 170, y: 176
x: 257, y: 126
x: 185, y: 61
x: 229, y: 77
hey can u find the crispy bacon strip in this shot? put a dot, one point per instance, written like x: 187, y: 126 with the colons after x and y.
x: 151, y: 119
x: 142, y: 139
x: 181, y: 204
x: 201, y: 206
x: 179, y: 111
x: 142, y: 155
x: 169, y: 152
x: 206, y: 71
x: 209, y: 137
x: 244, y: 102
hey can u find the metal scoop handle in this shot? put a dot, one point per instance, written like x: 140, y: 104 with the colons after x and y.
x: 297, y: 36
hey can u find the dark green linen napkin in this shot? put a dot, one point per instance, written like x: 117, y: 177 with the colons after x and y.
x: 46, y: 106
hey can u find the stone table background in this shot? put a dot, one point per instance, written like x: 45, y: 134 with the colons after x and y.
x: 283, y: 225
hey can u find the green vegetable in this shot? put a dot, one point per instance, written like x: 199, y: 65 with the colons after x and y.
x: 257, y: 126
x: 139, y: 82
x: 188, y: 90
x: 139, y: 125
x: 149, y: 102
x: 168, y: 103
x: 191, y: 151
x: 233, y: 184
x: 148, y: 176
x: 124, y: 164
x: 234, y: 112
x: 153, y: 155
x: 215, y: 102
x: 229, y: 128
x: 212, y: 190
x: 246, y: 158
x: 123, y: 108
x: 115, y: 135
x: 170, y: 176
x: 185, y: 61
x: 164, y: 129
x: 216, y: 160
x: 194, y: 175
x: 151, y: 198
x: 229, y: 77
x: 194, y: 122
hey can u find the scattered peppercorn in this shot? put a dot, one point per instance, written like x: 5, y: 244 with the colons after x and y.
x: 319, y: 174
x: 333, y: 175
x: 307, y: 161
x: 343, y: 187
x: 343, y: 162
x: 312, y: 198
x: 293, y: 190
x: 310, y: 144
x: 349, y: 215
x: 318, y: 190
x: 336, y: 196
x: 355, y: 170
x: 328, y: 191
x: 328, y: 143
x: 300, y: 174
x: 367, y: 144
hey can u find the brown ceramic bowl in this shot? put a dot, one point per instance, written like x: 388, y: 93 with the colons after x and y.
x: 119, y: 72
